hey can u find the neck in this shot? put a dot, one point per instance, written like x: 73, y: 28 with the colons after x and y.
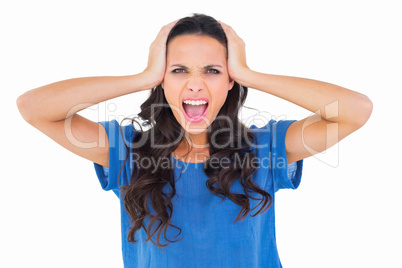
x: 196, y: 141
x: 196, y: 149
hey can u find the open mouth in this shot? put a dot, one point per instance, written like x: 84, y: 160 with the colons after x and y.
x: 195, y: 109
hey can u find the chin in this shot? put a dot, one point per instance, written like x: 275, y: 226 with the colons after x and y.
x: 192, y: 129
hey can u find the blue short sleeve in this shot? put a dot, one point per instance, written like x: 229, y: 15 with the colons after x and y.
x: 112, y: 177
x: 285, y: 176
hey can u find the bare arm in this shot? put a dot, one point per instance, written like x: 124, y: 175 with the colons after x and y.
x: 52, y: 108
x: 332, y: 102
x: 348, y: 110
x: 338, y: 111
x: 60, y: 100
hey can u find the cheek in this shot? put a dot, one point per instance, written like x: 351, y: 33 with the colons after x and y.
x: 221, y: 87
x: 171, y: 83
x: 173, y: 86
x: 220, y: 96
x: 222, y: 81
x: 171, y: 96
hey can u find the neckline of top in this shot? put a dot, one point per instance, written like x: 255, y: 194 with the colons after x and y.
x: 186, y: 163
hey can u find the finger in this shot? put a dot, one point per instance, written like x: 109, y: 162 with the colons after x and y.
x: 225, y: 29
x: 173, y: 23
x: 224, y: 25
x: 164, y: 32
x: 232, y: 33
x: 169, y: 26
x: 228, y: 30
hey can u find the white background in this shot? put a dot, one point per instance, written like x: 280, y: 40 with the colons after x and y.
x: 347, y: 210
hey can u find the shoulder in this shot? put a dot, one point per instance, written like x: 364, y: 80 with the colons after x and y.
x: 271, y: 130
x: 113, y: 127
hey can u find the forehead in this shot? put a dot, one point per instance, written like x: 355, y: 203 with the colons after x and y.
x: 187, y: 48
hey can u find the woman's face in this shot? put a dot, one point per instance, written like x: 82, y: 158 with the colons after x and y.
x: 196, y: 81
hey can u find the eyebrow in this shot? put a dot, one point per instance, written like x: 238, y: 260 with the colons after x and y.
x: 205, y: 67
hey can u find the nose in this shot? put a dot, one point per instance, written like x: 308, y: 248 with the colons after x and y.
x: 195, y: 84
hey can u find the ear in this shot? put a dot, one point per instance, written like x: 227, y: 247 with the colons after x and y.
x: 231, y: 83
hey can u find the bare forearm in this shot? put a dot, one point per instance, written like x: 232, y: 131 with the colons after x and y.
x: 62, y: 99
x: 331, y: 102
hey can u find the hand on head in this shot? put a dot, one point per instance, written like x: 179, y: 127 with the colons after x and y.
x: 236, y: 52
x: 157, y: 55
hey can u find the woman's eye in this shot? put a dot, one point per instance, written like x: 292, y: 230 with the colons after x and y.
x: 213, y: 71
x: 178, y: 71
x: 210, y: 71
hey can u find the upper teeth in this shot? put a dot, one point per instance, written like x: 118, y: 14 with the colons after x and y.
x: 198, y: 102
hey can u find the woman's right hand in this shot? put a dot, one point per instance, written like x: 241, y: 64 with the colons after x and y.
x: 157, y: 56
x: 52, y: 108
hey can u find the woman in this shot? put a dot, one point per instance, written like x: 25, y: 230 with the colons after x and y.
x: 188, y: 183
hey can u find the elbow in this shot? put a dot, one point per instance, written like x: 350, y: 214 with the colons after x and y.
x: 365, y: 111
x: 24, y: 104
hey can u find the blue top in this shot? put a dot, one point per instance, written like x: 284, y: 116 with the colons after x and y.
x: 210, y: 238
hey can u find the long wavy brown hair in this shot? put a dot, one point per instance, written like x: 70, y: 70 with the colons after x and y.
x: 146, y: 184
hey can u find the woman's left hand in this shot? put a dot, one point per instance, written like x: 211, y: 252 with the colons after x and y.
x: 237, y: 65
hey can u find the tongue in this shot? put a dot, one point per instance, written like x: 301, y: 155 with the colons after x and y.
x: 194, y: 111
